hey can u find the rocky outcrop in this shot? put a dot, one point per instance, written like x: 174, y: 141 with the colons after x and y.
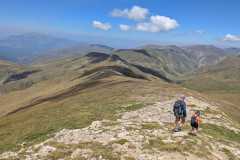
x: 144, y: 134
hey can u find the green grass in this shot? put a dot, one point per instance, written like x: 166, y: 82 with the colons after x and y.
x: 229, y: 154
x: 121, y: 141
x: 32, y: 128
x: 65, y: 150
x: 224, y: 92
x: 131, y: 106
x: 151, y: 125
x: 190, y: 146
x: 103, y: 101
x: 58, y: 145
x: 158, y: 144
x: 41, y: 121
x: 210, y: 84
x: 100, y: 150
x: 220, y: 133
x: 58, y: 154
x: 129, y: 158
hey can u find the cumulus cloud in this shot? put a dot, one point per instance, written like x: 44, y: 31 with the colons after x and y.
x: 153, y: 23
x: 135, y: 13
x: 157, y: 24
x: 101, y: 25
x: 231, y: 38
x: 124, y: 27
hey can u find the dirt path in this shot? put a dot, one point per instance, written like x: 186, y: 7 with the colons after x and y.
x: 144, y: 134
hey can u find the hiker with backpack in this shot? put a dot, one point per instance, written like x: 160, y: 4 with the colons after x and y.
x: 195, y: 121
x: 180, y: 113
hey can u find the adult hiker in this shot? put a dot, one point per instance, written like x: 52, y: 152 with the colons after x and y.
x: 180, y: 113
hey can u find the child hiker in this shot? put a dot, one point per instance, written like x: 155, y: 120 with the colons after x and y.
x: 195, y: 121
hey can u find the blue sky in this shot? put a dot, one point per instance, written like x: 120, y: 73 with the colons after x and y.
x: 143, y: 21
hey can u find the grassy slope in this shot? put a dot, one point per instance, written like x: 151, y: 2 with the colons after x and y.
x: 62, y: 99
x: 176, y: 61
x: 221, y: 82
x: 169, y: 63
x: 8, y: 67
x: 75, y: 110
x: 141, y: 59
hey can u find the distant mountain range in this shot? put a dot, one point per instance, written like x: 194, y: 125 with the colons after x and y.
x: 26, y: 47
x: 21, y: 48
x: 170, y: 63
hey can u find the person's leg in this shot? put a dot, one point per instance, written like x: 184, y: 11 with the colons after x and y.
x: 177, y: 121
x: 193, y: 130
x: 182, y: 122
x: 192, y: 125
x: 196, y: 128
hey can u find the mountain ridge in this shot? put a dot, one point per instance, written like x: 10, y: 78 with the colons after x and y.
x: 127, y: 93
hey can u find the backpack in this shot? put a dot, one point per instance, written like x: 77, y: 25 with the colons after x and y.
x: 178, y: 108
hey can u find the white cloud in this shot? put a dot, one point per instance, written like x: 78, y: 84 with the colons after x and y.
x: 157, y: 24
x: 135, y: 13
x: 124, y: 27
x: 231, y: 37
x: 102, y: 26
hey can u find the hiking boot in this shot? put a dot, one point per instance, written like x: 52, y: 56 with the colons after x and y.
x: 177, y: 129
x: 192, y: 133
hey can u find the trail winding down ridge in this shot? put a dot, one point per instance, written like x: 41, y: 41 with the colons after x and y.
x: 143, y: 134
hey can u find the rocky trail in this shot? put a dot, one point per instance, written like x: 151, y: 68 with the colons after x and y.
x: 143, y: 134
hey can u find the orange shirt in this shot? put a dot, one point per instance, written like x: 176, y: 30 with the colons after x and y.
x: 198, y: 119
